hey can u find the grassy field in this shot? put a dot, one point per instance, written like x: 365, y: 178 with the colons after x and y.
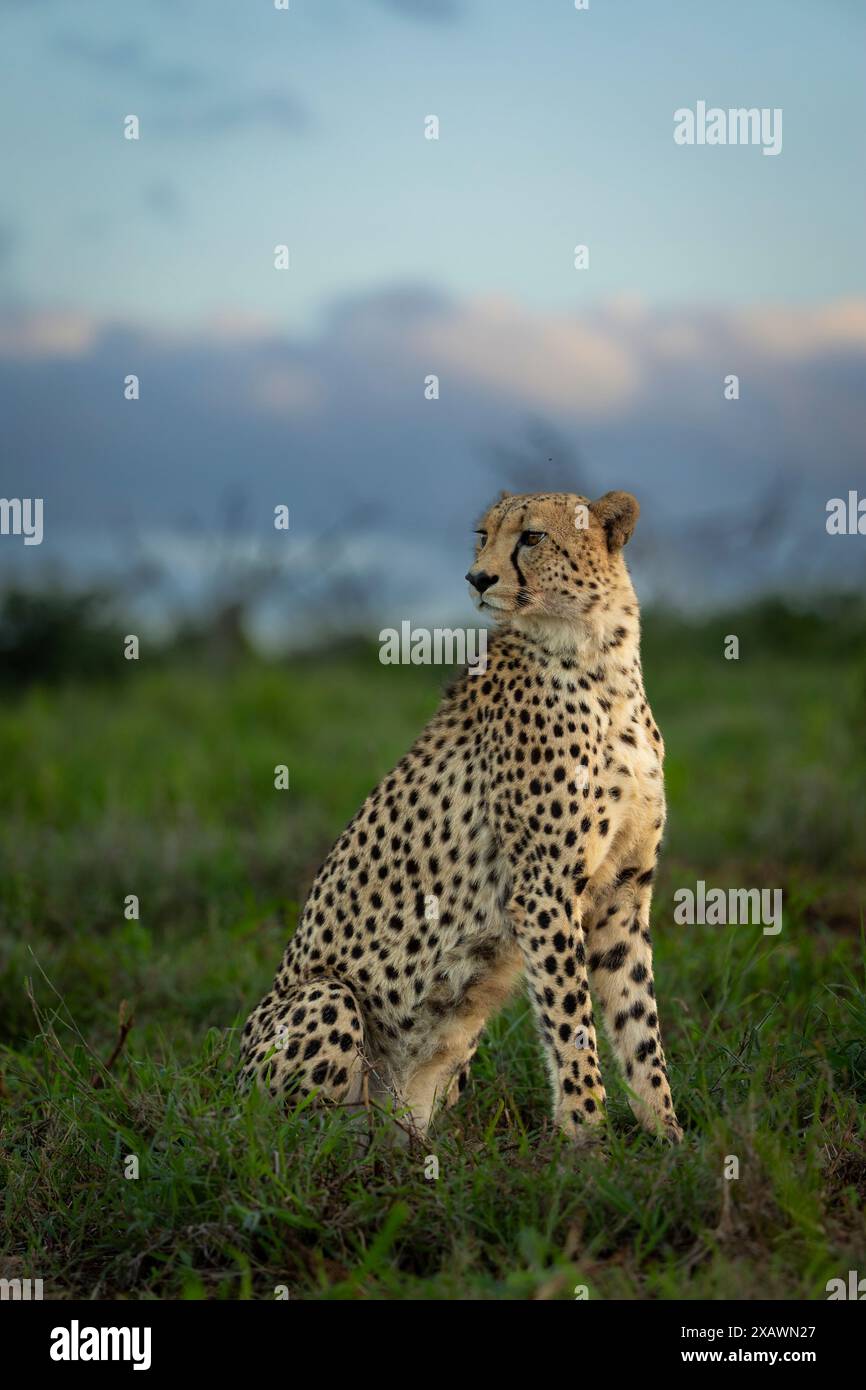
x: 159, y: 783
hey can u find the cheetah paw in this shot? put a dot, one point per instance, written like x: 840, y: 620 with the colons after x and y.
x: 672, y: 1130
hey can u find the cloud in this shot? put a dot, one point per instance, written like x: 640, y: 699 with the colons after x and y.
x: 268, y: 110
x: 588, y: 366
x: 285, y: 390
x: 552, y: 361
x: 162, y: 198
x: 129, y: 59
x: 803, y: 332
x: 339, y: 416
x: 47, y: 336
x: 125, y: 58
x: 432, y: 11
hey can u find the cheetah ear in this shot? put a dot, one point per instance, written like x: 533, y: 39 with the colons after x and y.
x: 618, y: 513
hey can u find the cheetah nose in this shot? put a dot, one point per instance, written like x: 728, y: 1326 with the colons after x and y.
x: 481, y: 581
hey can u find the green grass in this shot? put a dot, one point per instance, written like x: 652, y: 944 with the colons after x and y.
x: 161, y: 785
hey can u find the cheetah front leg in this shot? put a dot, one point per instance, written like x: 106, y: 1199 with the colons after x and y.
x: 551, y: 940
x: 619, y: 950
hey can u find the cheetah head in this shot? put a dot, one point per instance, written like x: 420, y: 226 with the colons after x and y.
x: 555, y: 556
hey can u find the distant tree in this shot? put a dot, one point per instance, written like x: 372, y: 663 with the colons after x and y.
x: 545, y: 461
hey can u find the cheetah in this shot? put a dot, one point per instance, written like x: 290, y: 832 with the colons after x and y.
x: 518, y: 837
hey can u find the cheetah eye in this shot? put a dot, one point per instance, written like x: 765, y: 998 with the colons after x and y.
x: 532, y: 537
x: 482, y: 535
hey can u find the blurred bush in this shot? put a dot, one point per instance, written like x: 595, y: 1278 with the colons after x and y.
x: 49, y: 636
x: 54, y: 635
x: 827, y: 625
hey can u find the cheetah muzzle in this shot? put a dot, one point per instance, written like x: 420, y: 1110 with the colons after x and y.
x: 518, y: 837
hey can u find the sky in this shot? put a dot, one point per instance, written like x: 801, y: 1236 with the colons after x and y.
x: 410, y: 256
x: 305, y: 127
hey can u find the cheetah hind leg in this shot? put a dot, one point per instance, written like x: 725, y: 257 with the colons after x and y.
x: 309, y: 1039
x: 460, y: 1080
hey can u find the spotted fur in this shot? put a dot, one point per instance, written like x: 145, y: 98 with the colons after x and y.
x: 518, y: 837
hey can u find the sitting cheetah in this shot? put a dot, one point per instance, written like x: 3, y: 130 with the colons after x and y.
x: 518, y: 836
